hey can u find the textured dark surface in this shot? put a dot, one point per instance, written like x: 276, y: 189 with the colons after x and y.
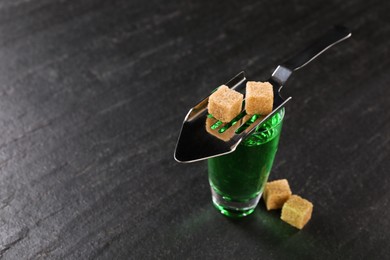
x: 92, y: 96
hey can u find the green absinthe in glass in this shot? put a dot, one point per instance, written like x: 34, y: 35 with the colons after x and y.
x: 238, y: 178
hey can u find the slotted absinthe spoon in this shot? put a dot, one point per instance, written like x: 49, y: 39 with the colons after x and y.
x: 203, y: 137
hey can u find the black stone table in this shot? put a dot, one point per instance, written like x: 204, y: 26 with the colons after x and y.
x: 92, y: 97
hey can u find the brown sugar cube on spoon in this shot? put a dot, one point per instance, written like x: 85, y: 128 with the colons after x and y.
x: 225, y: 104
x: 259, y: 98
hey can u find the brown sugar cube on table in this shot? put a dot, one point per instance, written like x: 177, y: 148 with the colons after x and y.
x: 297, y: 211
x: 225, y: 104
x: 276, y: 193
x: 259, y: 98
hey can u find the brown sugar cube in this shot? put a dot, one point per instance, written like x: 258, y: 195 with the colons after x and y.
x: 276, y: 193
x: 259, y: 98
x: 225, y: 103
x: 297, y: 211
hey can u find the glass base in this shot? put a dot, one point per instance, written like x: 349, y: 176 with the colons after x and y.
x: 234, y: 209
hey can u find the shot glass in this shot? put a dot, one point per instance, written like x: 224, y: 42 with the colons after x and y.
x: 237, y: 179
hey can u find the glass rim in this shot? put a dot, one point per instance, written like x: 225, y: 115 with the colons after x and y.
x: 282, y: 111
